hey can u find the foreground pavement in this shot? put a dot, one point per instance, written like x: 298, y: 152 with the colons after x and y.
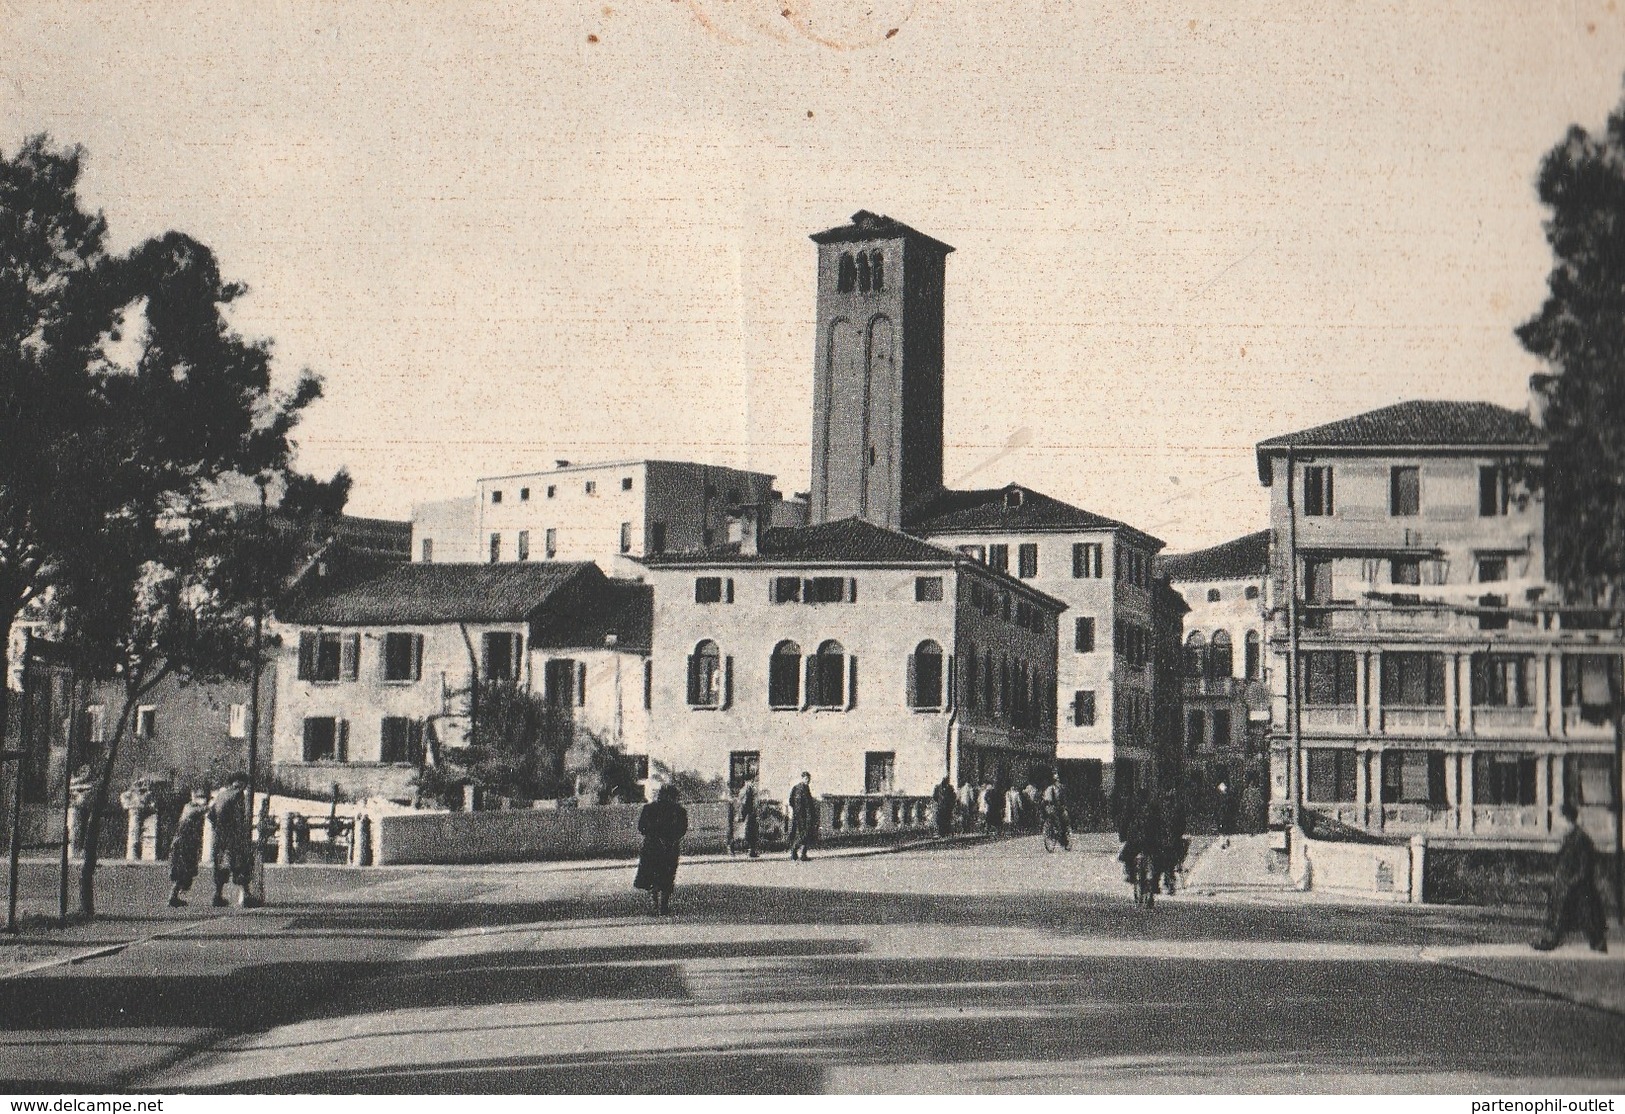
x: 972, y: 968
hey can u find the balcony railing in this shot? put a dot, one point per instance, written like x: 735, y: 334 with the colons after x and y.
x: 875, y: 813
x: 1421, y: 721
x: 1351, y: 617
x: 1331, y: 717
x: 1491, y: 721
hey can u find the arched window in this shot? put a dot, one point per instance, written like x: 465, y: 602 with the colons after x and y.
x: 1219, y: 659
x: 1252, y: 656
x: 706, y: 681
x: 1195, y: 655
x: 784, y: 676
x: 826, y: 676
x: 925, y: 676
x: 846, y: 279
x: 879, y: 269
x: 863, y: 272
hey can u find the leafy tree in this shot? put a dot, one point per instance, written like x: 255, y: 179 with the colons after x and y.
x: 1580, y: 333
x: 123, y: 389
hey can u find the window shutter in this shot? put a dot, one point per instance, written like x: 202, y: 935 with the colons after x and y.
x: 809, y: 691
x: 307, y: 656
x: 911, y: 696
x: 417, y: 657
x: 693, y: 679
x: 852, y: 681
x: 350, y: 657
x: 949, y: 688
x: 342, y: 749
x: 806, y: 591
x: 581, y: 684
x: 852, y: 589
x: 728, y: 681
x: 414, y: 742
x: 728, y: 590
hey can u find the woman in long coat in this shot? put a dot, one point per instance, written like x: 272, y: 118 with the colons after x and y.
x: 186, y: 848
x: 662, y: 823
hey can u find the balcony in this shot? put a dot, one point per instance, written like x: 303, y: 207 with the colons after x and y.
x: 1499, y: 721
x: 1331, y: 717
x: 1349, y: 618
x: 1415, y: 721
x: 1214, y: 686
x: 1576, y: 725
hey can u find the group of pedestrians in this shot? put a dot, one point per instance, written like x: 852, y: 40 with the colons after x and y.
x: 1152, y: 830
x: 233, y: 851
x: 993, y: 810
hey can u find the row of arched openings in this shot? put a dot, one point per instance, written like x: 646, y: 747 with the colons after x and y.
x: 1008, y: 689
x: 863, y: 271
x: 1214, y: 659
x: 825, y: 678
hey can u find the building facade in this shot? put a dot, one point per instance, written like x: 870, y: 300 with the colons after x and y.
x: 1440, y: 685
x: 1102, y: 570
x: 874, y: 661
x: 1224, y: 673
x: 373, y: 678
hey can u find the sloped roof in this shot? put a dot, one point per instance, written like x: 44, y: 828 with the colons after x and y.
x: 418, y: 594
x: 1237, y: 559
x: 844, y: 541
x: 1012, y: 508
x: 874, y: 226
x: 1420, y: 423
x: 623, y: 608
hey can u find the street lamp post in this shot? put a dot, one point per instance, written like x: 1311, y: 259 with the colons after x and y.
x: 257, y: 878
x: 611, y: 641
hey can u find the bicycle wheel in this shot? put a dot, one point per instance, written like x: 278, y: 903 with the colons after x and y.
x: 1049, y: 838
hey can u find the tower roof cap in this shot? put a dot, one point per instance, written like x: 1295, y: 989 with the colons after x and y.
x: 875, y: 226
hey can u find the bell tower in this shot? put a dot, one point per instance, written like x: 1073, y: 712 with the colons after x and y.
x: 877, y: 373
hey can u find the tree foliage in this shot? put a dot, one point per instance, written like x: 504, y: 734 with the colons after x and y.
x: 1580, y: 333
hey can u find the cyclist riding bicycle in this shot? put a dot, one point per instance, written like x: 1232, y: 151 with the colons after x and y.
x: 1056, y: 821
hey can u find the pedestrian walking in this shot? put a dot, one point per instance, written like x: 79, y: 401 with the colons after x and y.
x: 662, y: 824
x: 1170, y: 843
x: 1251, y: 807
x: 747, y: 820
x: 233, y: 850
x: 1054, y: 812
x: 1012, y: 810
x: 1574, y: 896
x: 186, y: 848
x: 944, y: 799
x: 803, y: 817
x: 990, y: 808
x: 968, y: 796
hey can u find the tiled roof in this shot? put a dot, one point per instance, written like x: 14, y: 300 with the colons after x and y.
x: 619, y: 607
x: 845, y: 541
x: 1420, y: 423
x: 1012, y: 508
x: 873, y: 226
x: 420, y: 593
x: 1236, y: 559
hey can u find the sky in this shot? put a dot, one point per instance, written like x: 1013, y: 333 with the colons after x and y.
x: 507, y: 233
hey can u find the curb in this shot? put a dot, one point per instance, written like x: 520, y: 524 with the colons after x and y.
x: 101, y: 951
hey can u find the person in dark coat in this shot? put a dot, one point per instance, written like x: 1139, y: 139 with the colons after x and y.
x: 1574, y: 894
x: 1139, y: 828
x: 969, y: 794
x: 748, y: 820
x: 1171, y: 845
x: 662, y: 824
x: 803, y: 817
x: 944, y: 798
x: 186, y: 848
x: 233, y: 850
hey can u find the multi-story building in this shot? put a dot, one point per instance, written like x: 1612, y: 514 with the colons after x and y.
x: 1225, y: 671
x: 1440, y: 686
x: 875, y: 661
x: 1102, y: 570
x: 375, y: 674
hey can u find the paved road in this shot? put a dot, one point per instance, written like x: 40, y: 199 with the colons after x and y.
x: 978, y: 968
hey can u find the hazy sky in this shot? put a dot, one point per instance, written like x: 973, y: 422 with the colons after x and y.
x: 510, y: 232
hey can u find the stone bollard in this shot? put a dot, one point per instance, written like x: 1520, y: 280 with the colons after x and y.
x: 149, y: 838
x: 1419, y: 855
x: 361, y: 840
x: 284, y: 838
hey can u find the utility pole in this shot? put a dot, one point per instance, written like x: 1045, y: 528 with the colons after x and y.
x: 256, y: 866
x: 18, y: 757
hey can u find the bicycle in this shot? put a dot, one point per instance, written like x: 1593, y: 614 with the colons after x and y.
x: 1055, y: 834
x: 1145, y: 881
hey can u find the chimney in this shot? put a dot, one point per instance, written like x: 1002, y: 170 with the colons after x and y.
x: 750, y: 530
x: 561, y: 464
x: 1539, y: 384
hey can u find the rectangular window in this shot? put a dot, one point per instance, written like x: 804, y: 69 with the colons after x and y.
x: 552, y: 490
x: 237, y: 722
x: 626, y: 537
x: 1587, y: 779
x: 326, y: 739
x: 648, y: 684
x: 1084, y: 635
x: 524, y: 495
x: 401, y: 741
x: 1195, y: 731
x: 657, y: 537
x: 879, y: 771
x: 1405, y: 491
x: 1221, y: 728
x: 1586, y: 685
x: 1086, y: 560
x: 523, y: 545
x: 1492, y: 570
x: 320, y: 656
x: 1317, y: 490
x: 503, y: 651
x: 1405, y: 570
x: 744, y: 767
x: 998, y: 557
x: 927, y: 589
x: 559, y: 682
x: 977, y: 553
x: 1329, y: 677
x: 626, y: 483
x: 96, y: 723
x: 496, y: 548
x: 1317, y: 580
x: 1503, y: 779
x: 146, y: 722
x: 550, y: 543
x: 496, y: 496
x: 708, y: 589
x: 403, y: 656
x: 1331, y: 773
x: 590, y: 487
x: 1502, y: 680
x: 428, y: 550
x: 786, y: 589
x: 826, y: 589
x: 1492, y: 491
x: 1027, y: 560
x: 1413, y: 777
x: 1413, y: 680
